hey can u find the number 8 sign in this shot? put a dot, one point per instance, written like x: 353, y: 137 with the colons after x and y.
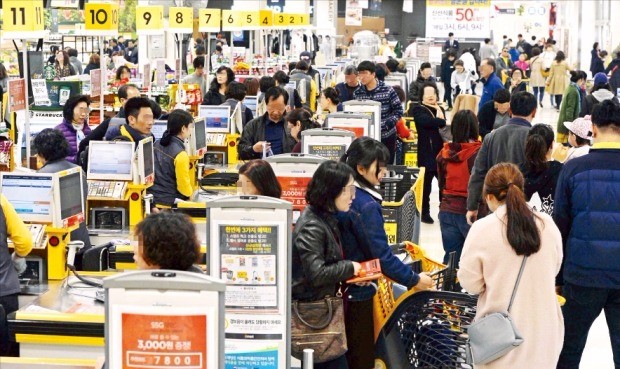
x: 181, y: 19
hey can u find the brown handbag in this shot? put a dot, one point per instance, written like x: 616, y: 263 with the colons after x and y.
x: 318, y: 325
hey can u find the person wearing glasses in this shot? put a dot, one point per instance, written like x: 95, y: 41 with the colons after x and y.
x: 74, y: 125
x: 504, y: 64
x: 319, y: 264
x: 364, y: 238
x: 267, y: 134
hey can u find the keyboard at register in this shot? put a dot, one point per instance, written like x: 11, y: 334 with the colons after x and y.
x: 110, y: 189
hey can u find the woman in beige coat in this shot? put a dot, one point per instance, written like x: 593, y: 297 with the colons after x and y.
x: 537, y: 81
x: 490, y: 263
x: 558, y: 79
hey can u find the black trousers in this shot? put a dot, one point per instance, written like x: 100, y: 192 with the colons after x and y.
x: 426, y: 196
x: 360, y: 334
x: 9, y: 304
x: 447, y: 94
x: 390, y: 143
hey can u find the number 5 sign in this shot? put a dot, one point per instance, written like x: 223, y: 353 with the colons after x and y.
x: 101, y: 17
x: 149, y: 19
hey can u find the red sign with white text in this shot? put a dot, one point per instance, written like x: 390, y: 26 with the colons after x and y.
x: 294, y: 190
x: 17, y: 95
x: 164, y: 341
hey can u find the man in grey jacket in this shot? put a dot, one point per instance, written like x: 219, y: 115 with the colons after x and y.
x: 505, y: 144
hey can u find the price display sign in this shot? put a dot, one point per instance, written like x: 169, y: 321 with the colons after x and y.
x: 331, y: 152
x: 22, y: 16
x: 250, y: 20
x: 467, y: 19
x: 95, y: 82
x: 39, y: 92
x: 17, y: 95
x: 209, y: 20
x: 146, y: 77
x: 266, y: 18
x: 101, y: 18
x: 231, y: 20
x: 181, y: 19
x: 160, y: 75
x: 390, y: 224
x: 150, y: 19
x: 294, y: 190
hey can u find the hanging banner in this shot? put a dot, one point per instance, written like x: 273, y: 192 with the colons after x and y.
x: 95, y: 82
x: 353, y: 13
x: 465, y: 18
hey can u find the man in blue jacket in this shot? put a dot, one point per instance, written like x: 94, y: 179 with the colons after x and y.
x: 587, y: 212
x: 491, y: 82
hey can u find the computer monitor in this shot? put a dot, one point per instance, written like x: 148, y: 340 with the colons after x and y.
x: 397, y: 81
x: 110, y: 160
x: 68, y: 198
x: 30, y: 194
x: 158, y: 129
x: 251, y: 102
x: 217, y: 118
x: 369, y: 107
x: 236, y: 120
x: 145, y: 161
x: 326, y: 142
x: 358, y: 123
x: 198, y: 138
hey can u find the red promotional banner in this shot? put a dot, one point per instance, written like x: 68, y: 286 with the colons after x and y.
x: 17, y: 95
x: 294, y: 190
x: 164, y: 341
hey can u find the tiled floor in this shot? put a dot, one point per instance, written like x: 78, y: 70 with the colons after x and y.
x: 598, y: 353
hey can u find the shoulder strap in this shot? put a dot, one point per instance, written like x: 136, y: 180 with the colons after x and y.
x: 514, y: 290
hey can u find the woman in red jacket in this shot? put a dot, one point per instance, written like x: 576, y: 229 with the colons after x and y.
x: 454, y: 165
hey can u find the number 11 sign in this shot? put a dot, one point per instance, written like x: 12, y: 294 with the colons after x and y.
x: 22, y: 19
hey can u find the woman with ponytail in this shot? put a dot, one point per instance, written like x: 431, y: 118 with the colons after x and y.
x: 492, y: 256
x: 298, y: 121
x: 172, y: 180
x: 541, y: 172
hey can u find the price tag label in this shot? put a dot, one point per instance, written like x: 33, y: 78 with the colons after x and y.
x: 181, y: 19
x: 209, y: 20
x: 150, y: 19
x: 22, y: 16
x: 101, y: 17
x: 390, y: 230
x: 266, y: 18
x: 250, y: 20
x: 231, y: 20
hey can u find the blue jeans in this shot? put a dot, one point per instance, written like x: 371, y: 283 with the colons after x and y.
x: 539, y: 92
x: 583, y: 306
x: 454, y: 229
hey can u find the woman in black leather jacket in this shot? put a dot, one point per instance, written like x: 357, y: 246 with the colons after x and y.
x: 318, y: 265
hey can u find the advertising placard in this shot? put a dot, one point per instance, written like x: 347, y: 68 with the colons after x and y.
x: 17, y: 95
x: 95, y: 82
x: 39, y: 92
x: 465, y: 18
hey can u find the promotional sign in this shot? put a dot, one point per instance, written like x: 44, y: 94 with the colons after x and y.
x: 294, y: 190
x: 149, y: 19
x: 466, y: 19
x: 17, y: 95
x: 160, y: 75
x: 22, y: 19
x: 181, y: 19
x: 39, y: 92
x: 353, y: 13
x: 231, y: 20
x: 331, y: 152
x: 251, y: 235
x: 146, y: 76
x: 101, y: 17
x: 95, y: 82
x: 209, y: 20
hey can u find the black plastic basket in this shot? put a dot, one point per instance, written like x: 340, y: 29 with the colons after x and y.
x: 398, y: 181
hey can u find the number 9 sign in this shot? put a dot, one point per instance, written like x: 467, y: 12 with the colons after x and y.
x: 149, y: 19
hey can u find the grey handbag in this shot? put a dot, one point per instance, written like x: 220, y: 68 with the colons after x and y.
x: 495, y: 334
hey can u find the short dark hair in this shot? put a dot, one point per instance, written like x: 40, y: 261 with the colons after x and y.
x: 200, y: 50
x: 274, y: 93
x: 523, y: 104
x: 120, y: 71
x: 199, y: 62
x: 459, y: 62
x: 265, y: 83
x: 491, y: 62
x: 487, y: 40
x: 51, y: 144
x: 134, y: 105
x: 560, y: 56
x: 122, y: 91
x: 535, y: 51
x: 236, y: 90
x: 366, y: 65
x: 67, y: 110
x: 304, y: 117
x: 402, y: 96
x: 450, y: 34
x: 177, y: 119
x: 464, y: 126
x: 424, y: 86
x: 218, y: 48
x: 72, y: 52
x: 424, y: 65
x: 177, y: 248
x: 155, y: 108
x: 327, y: 183
x: 392, y: 65
x: 539, y: 140
x: 501, y: 96
x: 301, y: 65
x: 262, y: 176
x: 381, y: 71
x: 519, y: 35
x: 364, y: 151
x: 332, y: 94
x: 605, y: 114
x: 281, y: 78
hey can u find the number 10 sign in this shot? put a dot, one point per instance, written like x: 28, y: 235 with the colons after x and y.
x: 101, y: 18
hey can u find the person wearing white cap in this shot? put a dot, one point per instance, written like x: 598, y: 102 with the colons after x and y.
x: 579, y: 136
